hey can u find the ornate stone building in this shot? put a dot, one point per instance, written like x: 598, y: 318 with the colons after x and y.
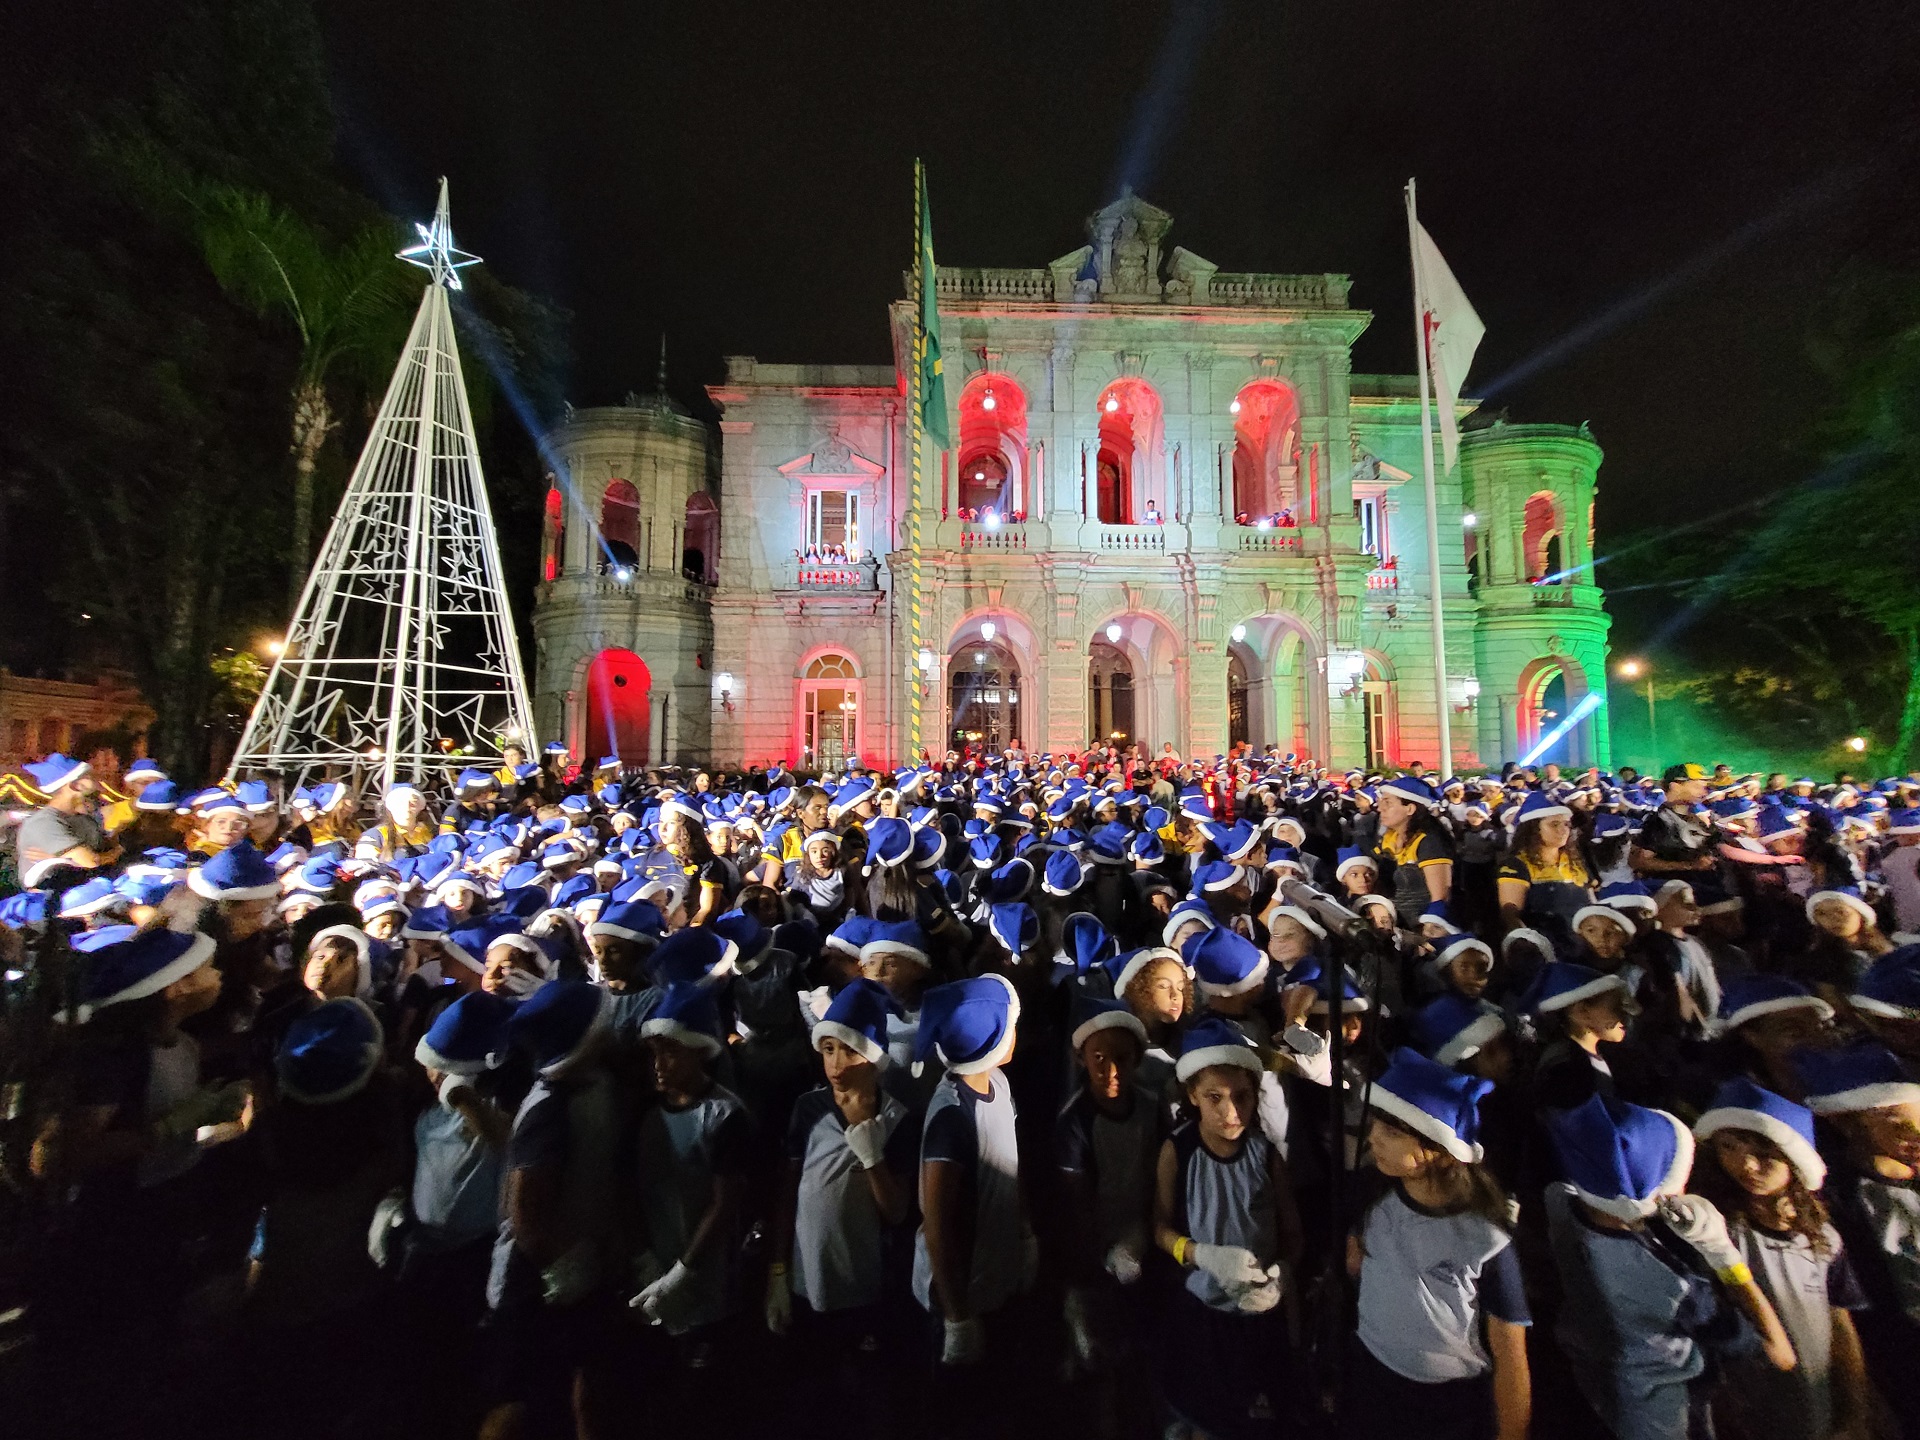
x: 1170, y: 512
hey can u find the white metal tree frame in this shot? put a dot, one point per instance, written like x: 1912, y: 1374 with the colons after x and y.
x: 402, y: 645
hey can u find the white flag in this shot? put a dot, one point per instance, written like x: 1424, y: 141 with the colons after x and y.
x: 1453, y: 332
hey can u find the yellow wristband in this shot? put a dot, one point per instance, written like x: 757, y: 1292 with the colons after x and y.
x: 1737, y: 1274
x: 1181, y: 1247
x: 778, y: 1267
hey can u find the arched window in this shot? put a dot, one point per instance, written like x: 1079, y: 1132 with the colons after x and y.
x: 620, y: 523
x: 830, y: 712
x: 993, y: 446
x: 619, y: 707
x: 53, y: 734
x: 1266, y: 452
x: 1126, y: 464
x: 553, y: 535
x: 1109, y: 695
x: 699, y: 555
x: 1542, y: 523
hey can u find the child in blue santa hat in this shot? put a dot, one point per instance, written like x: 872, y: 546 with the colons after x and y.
x: 1758, y: 1164
x: 1871, y: 1103
x: 1441, y: 1349
x: 1106, y: 1142
x: 975, y: 1253
x: 694, y: 1153
x: 1653, y: 1287
x: 1224, y: 1210
x: 852, y: 1152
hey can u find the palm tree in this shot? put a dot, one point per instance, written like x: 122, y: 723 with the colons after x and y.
x: 348, y: 301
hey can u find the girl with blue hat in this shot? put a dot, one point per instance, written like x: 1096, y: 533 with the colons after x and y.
x: 1443, y: 1316
x: 1224, y: 1211
x: 1871, y: 1104
x: 1412, y: 848
x: 1544, y: 883
x: 1653, y: 1287
x: 1758, y: 1164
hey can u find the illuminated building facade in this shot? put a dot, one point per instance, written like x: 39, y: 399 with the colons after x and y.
x: 1170, y: 512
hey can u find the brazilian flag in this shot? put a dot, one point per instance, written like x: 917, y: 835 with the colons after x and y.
x: 933, y: 385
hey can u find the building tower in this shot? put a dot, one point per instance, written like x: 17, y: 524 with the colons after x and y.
x: 401, y: 661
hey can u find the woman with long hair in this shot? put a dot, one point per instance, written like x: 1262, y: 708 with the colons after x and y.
x: 1544, y: 881
x: 1412, y: 839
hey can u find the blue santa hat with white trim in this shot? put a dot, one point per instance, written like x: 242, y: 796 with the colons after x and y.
x: 1612, y: 915
x: 1352, y: 858
x: 889, y: 843
x: 1433, y: 1101
x: 144, y: 771
x: 1008, y: 883
x: 638, y: 921
x: 469, y: 1037
x: 850, y: 936
x: 692, y: 956
x: 56, y: 772
x: 1541, y: 806
x: 330, y: 1053
x: 1862, y: 1076
x: 127, y: 964
x: 1014, y: 927
x: 752, y: 940
x: 1085, y: 943
x: 1621, y: 1159
x: 1628, y: 895
x: 1453, y: 1028
x: 1891, y: 987
x: 857, y: 1018
x: 904, y: 938
x: 968, y: 1025
x: 1064, y: 874
x: 1235, y: 841
x: 89, y: 898
x: 1194, y: 911
x: 237, y: 873
x: 929, y: 847
x: 1093, y: 1013
x: 558, y: 1024
x: 1848, y: 895
x: 1215, y: 876
x: 1748, y: 997
x: 363, y: 949
x: 1413, y: 790
x: 1214, y: 1040
x: 1146, y: 847
x: 158, y: 796
x: 1125, y: 967
x: 1561, y: 983
x: 1223, y: 962
x: 1740, y: 1104
x: 688, y: 1015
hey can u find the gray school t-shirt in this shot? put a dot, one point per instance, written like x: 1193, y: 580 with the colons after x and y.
x: 1225, y: 1202
x: 839, y: 1239
x: 456, y: 1181
x: 976, y: 1132
x: 1426, y: 1280
x: 1805, y: 1289
x: 681, y: 1153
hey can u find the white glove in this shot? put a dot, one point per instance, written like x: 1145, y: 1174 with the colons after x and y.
x: 1079, y: 1317
x: 1258, y: 1299
x: 779, y: 1300
x: 449, y: 1083
x: 1309, y: 1053
x: 964, y: 1342
x: 1234, y: 1266
x: 388, y: 1216
x: 656, y: 1301
x: 1123, y: 1263
x: 1694, y: 1220
x: 868, y: 1142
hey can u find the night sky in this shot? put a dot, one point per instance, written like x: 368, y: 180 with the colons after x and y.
x: 1647, y: 202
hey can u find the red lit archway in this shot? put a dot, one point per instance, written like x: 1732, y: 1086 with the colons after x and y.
x: 619, y: 707
x: 1125, y: 469
x: 993, y: 446
x: 1266, y: 451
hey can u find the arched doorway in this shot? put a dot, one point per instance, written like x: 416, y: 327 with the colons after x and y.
x: 983, y: 484
x: 830, y: 712
x: 619, y: 707
x: 1130, y: 441
x: 1110, y: 709
x: 1378, y: 717
x: 983, y: 693
x: 1550, y: 690
x: 993, y: 448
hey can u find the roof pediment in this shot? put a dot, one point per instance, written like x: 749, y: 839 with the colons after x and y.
x: 833, y: 456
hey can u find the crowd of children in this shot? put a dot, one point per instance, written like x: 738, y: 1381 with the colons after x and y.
x: 986, y: 1097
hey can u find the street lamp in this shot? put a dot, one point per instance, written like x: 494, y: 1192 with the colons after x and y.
x: 1633, y: 670
x: 1857, y: 744
x: 987, y: 631
x: 1114, y: 632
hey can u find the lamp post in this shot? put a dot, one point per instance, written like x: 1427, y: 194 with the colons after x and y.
x: 1633, y: 670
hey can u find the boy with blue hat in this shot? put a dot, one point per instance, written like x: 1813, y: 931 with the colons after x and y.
x: 967, y: 1266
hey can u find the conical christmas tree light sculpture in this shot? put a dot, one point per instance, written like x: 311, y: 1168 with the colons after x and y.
x: 401, y: 661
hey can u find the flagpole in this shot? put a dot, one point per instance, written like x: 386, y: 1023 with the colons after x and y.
x: 918, y: 347
x: 1442, y: 709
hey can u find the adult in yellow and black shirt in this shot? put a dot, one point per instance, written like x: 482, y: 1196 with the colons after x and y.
x: 712, y: 882
x: 1544, y: 881
x: 1416, y: 858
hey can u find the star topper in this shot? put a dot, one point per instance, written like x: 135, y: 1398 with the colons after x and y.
x: 436, y: 251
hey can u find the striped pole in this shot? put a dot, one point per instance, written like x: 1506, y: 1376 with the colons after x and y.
x: 919, y: 680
